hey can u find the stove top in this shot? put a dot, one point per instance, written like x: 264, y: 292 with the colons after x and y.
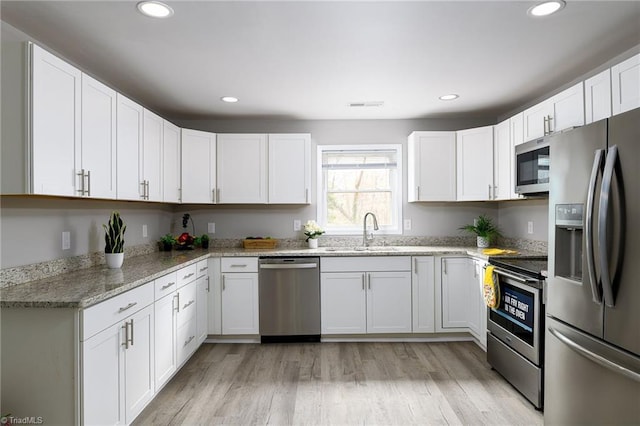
x: 531, y: 267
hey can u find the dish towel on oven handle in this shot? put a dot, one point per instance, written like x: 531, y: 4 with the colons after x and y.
x: 491, y: 291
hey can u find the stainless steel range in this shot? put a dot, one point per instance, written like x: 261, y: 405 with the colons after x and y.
x: 515, y: 328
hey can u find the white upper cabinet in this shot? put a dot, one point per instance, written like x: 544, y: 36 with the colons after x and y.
x: 564, y: 110
x: 432, y: 166
x: 171, y: 155
x: 152, y: 156
x: 625, y: 85
x: 129, y: 142
x: 475, y: 164
x: 96, y: 168
x: 55, y: 124
x: 289, y: 168
x: 242, y: 168
x: 502, y: 161
x: 597, y: 97
x: 198, y: 167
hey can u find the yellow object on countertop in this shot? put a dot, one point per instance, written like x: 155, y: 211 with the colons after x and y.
x: 491, y: 291
x: 496, y: 251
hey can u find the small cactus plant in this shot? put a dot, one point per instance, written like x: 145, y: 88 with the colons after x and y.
x: 114, y: 234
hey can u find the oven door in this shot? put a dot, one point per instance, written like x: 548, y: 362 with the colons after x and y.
x: 519, y: 319
x: 532, y: 167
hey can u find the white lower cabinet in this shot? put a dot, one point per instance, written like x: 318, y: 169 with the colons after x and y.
x: 240, y: 309
x: 214, y: 298
x: 166, y: 322
x: 365, y: 295
x: 423, y: 294
x: 118, y: 369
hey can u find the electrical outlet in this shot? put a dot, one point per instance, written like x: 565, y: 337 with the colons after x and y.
x: 530, y: 227
x: 407, y: 224
x: 66, y: 240
x: 145, y: 233
x: 211, y: 228
x: 297, y: 225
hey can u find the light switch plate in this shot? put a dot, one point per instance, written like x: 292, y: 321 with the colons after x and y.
x: 211, y: 228
x: 66, y: 240
x: 145, y: 232
x: 407, y: 224
x: 297, y: 225
x: 530, y: 227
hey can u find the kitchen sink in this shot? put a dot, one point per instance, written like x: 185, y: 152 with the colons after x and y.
x: 361, y: 248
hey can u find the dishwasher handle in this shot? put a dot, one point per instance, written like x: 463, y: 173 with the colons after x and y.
x: 288, y: 266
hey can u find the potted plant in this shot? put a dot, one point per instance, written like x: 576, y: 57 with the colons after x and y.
x: 312, y: 230
x: 484, y: 229
x: 167, y: 242
x: 114, y: 240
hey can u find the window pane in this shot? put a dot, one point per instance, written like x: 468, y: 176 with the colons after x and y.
x: 348, y: 209
x: 349, y: 179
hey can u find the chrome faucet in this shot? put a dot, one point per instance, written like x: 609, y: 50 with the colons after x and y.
x: 367, y: 239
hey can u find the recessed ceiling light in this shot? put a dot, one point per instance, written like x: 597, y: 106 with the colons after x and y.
x: 546, y: 8
x: 155, y: 9
x: 449, y: 97
x: 229, y: 99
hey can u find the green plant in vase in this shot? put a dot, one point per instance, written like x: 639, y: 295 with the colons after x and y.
x: 114, y: 240
x: 484, y: 229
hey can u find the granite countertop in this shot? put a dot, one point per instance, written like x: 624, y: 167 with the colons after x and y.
x: 86, y: 287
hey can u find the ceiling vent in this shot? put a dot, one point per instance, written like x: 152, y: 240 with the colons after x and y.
x: 366, y: 104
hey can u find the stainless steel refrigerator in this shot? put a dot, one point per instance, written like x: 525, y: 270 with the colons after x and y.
x: 592, y: 339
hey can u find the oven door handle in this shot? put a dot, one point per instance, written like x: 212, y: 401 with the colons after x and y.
x: 519, y: 278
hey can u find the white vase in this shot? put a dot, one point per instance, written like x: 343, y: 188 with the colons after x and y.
x: 313, y: 243
x: 482, y: 242
x: 114, y: 260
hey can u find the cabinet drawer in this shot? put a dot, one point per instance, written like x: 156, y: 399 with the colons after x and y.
x: 239, y: 264
x: 187, y: 341
x: 202, y: 268
x: 100, y: 316
x: 365, y: 264
x: 165, y: 285
x: 186, y: 275
x: 186, y: 303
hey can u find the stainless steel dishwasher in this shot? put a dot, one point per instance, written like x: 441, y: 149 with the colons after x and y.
x: 289, y: 299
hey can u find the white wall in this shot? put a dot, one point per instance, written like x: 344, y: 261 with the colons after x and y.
x: 515, y: 215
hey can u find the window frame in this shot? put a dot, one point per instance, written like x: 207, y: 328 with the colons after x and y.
x: 396, y: 190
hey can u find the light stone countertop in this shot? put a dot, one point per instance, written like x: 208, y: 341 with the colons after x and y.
x: 86, y: 287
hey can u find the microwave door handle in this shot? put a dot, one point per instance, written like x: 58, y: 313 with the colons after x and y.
x: 603, y: 232
x: 591, y: 194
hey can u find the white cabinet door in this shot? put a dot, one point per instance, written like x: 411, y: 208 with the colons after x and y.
x: 165, y: 330
x: 139, y: 363
x: 214, y: 314
x: 242, y: 168
x: 290, y: 168
x: 171, y: 158
x: 389, y: 302
x: 240, y: 303
x: 475, y: 164
x: 198, y: 167
x: 129, y: 146
x: 423, y: 294
x: 55, y: 124
x: 503, y: 153
x: 343, y: 308
x: 97, y: 160
x: 152, y: 155
x: 432, y: 166
x: 568, y: 108
x: 103, y: 400
x: 202, y: 296
x: 625, y: 85
x: 457, y: 273
x: 597, y: 97
x: 536, y: 120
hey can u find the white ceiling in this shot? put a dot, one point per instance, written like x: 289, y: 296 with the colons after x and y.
x: 309, y: 59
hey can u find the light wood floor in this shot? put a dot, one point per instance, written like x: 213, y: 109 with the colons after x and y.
x: 340, y: 384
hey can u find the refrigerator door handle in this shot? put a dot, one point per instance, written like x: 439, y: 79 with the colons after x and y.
x: 588, y: 226
x: 598, y: 359
x: 603, y: 233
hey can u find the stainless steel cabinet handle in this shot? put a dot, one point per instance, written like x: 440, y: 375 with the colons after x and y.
x: 129, y: 306
x: 191, y: 302
x: 144, y: 190
x: 203, y: 269
x: 603, y: 234
x: 444, y: 266
x: 188, y: 276
x: 597, y: 358
x: 239, y: 265
x: 223, y: 283
x: 588, y: 226
x: 418, y: 193
x: 131, y: 341
x: 126, y: 335
x: 81, y: 175
x: 369, y: 281
x: 495, y: 191
x: 213, y: 195
x: 549, y: 119
x: 89, y: 183
x: 415, y: 265
x: 189, y: 340
x: 166, y: 286
x: 208, y: 285
x: 363, y: 281
x: 306, y: 195
x: 178, y: 305
x: 217, y: 195
x: 489, y: 191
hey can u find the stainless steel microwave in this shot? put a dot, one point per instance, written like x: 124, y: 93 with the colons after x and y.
x: 532, y: 167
